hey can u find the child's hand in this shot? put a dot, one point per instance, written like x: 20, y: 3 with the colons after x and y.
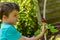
x: 43, y: 28
x: 32, y: 38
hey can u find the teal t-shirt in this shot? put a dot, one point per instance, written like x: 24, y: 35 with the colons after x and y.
x: 9, y: 32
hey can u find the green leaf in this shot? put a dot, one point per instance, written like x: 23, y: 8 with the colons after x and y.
x: 37, y: 32
x: 53, y: 30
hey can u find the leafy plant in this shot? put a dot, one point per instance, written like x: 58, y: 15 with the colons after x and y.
x: 48, y: 26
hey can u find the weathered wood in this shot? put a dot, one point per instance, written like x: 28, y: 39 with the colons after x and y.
x: 52, y: 10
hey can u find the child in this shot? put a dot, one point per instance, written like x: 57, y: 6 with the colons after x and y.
x: 9, y: 15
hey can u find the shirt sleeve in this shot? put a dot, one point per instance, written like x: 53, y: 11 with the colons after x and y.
x: 13, y: 34
x: 3, y: 39
x: 2, y: 34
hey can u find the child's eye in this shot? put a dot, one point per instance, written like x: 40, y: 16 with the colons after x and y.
x: 15, y: 15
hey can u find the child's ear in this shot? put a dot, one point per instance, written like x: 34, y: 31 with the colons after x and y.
x: 4, y: 17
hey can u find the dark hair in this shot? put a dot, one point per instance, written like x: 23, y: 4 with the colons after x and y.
x: 6, y: 8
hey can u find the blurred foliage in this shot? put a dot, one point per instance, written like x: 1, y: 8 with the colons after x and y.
x: 28, y: 23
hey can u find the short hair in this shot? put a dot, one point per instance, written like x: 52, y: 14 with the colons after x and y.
x: 7, y: 7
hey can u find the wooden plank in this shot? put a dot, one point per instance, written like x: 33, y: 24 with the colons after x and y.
x: 52, y: 10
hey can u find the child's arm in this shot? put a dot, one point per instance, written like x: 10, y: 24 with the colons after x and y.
x: 41, y: 34
x: 37, y: 37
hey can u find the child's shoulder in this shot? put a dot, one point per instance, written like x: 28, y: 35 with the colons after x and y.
x: 5, y: 27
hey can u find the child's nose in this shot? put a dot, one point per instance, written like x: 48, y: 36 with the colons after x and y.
x: 16, y: 17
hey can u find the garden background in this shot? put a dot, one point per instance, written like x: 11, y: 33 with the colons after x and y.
x: 30, y: 14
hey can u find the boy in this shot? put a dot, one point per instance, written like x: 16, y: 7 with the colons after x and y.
x: 9, y: 15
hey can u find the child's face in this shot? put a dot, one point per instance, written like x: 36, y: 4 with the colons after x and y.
x: 13, y: 16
